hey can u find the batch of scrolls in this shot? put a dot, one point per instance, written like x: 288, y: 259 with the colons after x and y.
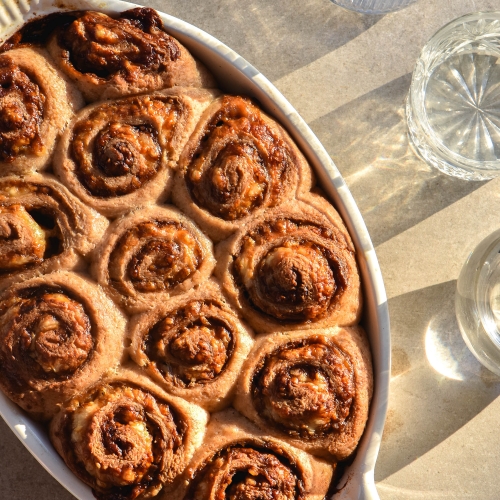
x: 177, y: 299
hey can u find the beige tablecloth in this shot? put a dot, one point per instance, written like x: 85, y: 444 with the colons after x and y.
x: 348, y: 75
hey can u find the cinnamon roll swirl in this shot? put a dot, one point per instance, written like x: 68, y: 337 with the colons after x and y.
x: 150, y: 255
x: 109, y: 58
x: 193, y: 345
x: 311, y: 388
x: 36, y: 103
x: 58, y: 335
x: 238, y: 162
x: 118, y: 154
x: 126, y: 438
x: 43, y: 227
x: 238, y: 462
x: 292, y: 268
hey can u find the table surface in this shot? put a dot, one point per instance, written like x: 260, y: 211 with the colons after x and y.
x: 348, y: 75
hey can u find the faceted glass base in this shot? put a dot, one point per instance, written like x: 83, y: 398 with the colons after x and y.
x: 453, y: 109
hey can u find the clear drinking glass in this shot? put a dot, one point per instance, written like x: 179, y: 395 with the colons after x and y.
x: 453, y: 108
x: 373, y: 6
x: 477, y: 302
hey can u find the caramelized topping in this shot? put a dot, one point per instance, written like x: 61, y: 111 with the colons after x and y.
x: 241, y: 163
x: 297, y: 279
x: 291, y: 269
x: 192, y: 345
x: 37, y: 31
x: 22, y: 240
x: 103, y: 46
x: 247, y: 472
x: 305, y: 389
x: 126, y: 441
x: 45, y: 335
x: 154, y: 256
x: 21, y: 113
x: 115, y: 146
x: 116, y: 149
x: 29, y: 230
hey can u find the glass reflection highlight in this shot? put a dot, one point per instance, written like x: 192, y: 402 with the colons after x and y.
x: 446, y: 351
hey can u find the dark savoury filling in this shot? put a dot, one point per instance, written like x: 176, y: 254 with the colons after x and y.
x: 246, y: 471
x: 38, y: 31
x: 305, y: 389
x: 192, y: 345
x: 103, y: 46
x: 240, y: 164
x: 298, y: 274
x: 21, y: 112
x: 30, y: 232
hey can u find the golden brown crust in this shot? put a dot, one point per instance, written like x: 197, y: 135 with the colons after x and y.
x: 285, y: 263
x: 109, y: 58
x: 238, y: 163
x: 36, y: 103
x: 126, y: 438
x: 193, y: 346
x: 43, y: 228
x: 116, y: 155
x: 311, y: 388
x: 150, y: 255
x: 59, y: 334
x: 238, y: 461
x: 291, y: 268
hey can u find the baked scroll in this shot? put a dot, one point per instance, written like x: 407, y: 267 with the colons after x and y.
x: 310, y: 388
x: 238, y: 163
x: 150, y: 255
x: 193, y: 345
x: 116, y: 155
x: 126, y: 438
x: 43, y: 228
x: 238, y: 461
x: 36, y: 103
x: 110, y: 57
x: 58, y: 335
x: 292, y: 268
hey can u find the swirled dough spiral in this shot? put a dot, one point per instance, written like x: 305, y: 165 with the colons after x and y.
x: 193, y: 345
x: 292, y: 268
x: 36, y: 103
x: 239, y: 462
x: 126, y: 438
x: 110, y: 57
x: 43, y: 227
x: 116, y: 155
x: 311, y: 388
x: 150, y: 255
x: 58, y: 335
x: 237, y: 163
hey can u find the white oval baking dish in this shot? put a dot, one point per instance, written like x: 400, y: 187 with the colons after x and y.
x: 236, y: 75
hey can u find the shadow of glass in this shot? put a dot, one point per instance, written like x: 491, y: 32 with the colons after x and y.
x: 392, y: 186
x: 297, y: 32
x: 437, y: 385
